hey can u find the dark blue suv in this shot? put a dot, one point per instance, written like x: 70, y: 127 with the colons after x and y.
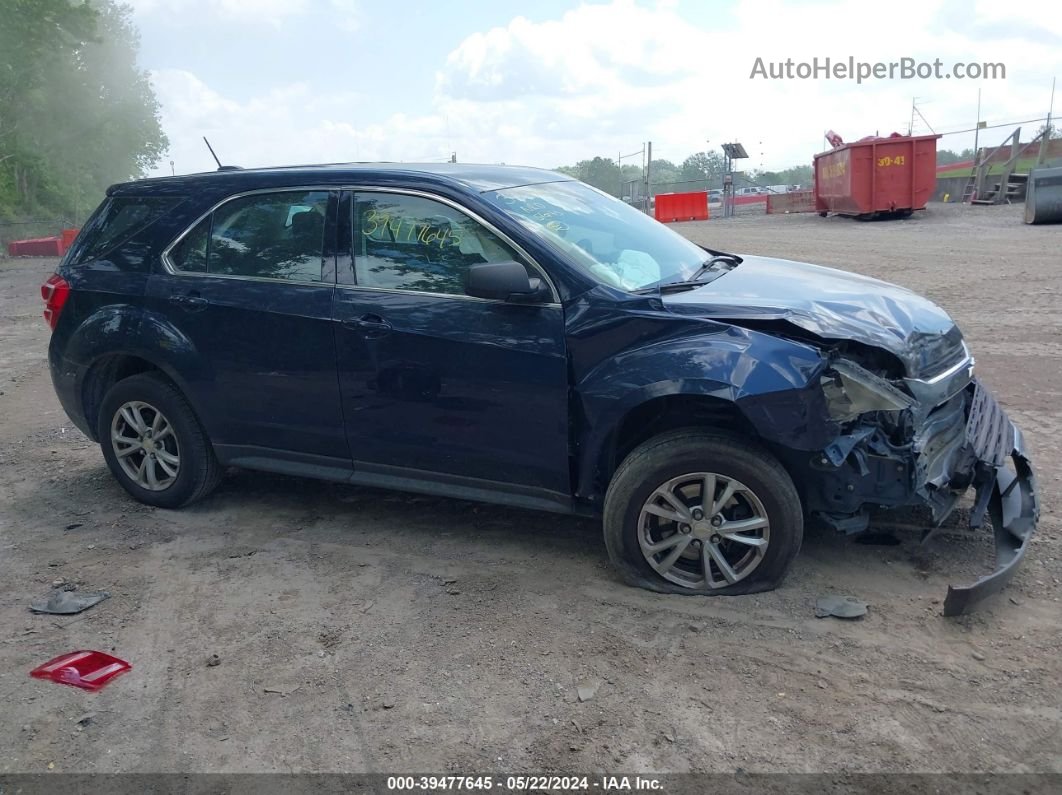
x: 515, y: 336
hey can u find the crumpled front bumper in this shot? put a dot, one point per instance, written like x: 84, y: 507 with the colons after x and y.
x: 1006, y: 490
x: 1015, y: 504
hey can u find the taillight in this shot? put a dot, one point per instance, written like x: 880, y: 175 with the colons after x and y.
x: 55, y: 291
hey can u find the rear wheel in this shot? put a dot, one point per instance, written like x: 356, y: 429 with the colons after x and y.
x: 153, y: 443
x: 696, y: 512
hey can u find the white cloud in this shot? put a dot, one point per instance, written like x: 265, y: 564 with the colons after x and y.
x: 588, y: 51
x: 604, y: 78
x: 287, y: 125
x: 349, y: 14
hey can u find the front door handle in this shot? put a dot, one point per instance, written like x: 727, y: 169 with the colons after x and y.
x: 370, y: 325
x: 192, y: 301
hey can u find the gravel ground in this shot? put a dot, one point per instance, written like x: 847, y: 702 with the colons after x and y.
x: 359, y: 630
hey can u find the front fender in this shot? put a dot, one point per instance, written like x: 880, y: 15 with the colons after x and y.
x: 772, y: 381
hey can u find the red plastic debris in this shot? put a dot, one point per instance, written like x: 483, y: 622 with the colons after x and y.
x: 89, y: 670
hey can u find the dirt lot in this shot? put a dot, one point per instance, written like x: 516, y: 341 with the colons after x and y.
x: 360, y: 630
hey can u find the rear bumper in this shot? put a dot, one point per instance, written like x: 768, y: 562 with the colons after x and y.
x: 1009, y: 493
x: 66, y: 378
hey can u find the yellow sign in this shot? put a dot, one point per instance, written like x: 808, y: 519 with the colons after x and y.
x: 837, y: 168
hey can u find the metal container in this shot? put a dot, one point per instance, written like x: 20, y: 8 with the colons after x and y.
x: 1043, y: 197
x: 877, y: 177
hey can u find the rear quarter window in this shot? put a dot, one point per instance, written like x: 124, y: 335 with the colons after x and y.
x: 115, y: 222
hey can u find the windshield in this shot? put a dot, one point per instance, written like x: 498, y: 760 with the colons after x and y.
x: 610, y: 240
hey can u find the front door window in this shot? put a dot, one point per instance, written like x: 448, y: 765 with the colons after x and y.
x: 404, y: 242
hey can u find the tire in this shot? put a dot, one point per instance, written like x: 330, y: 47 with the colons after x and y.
x: 139, y: 400
x: 761, y: 490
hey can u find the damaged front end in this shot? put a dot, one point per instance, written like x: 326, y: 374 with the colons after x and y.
x: 893, y: 418
x: 910, y: 441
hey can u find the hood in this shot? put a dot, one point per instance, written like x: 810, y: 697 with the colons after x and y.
x: 832, y: 305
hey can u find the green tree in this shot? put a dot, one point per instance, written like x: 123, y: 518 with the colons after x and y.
x: 1051, y: 128
x: 664, y: 175
x: 704, y: 165
x: 76, y: 112
x: 794, y: 175
x: 946, y: 157
x: 601, y: 172
x: 699, y: 171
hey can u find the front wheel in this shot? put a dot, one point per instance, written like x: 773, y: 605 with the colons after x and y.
x: 695, y: 512
x: 153, y: 442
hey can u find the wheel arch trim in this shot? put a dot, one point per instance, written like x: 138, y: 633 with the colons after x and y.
x: 599, y: 442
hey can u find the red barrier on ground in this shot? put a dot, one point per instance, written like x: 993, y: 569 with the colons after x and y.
x: 681, y: 207
x: 38, y: 247
x: 68, y: 237
x: 752, y: 198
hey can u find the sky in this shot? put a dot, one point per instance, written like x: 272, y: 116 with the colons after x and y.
x: 549, y: 83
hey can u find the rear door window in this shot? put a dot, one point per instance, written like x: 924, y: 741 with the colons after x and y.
x: 267, y: 236
x: 190, y: 253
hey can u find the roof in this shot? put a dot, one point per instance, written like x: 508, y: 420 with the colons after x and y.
x: 479, y: 178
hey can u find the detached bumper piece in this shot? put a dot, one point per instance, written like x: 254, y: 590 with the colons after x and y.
x: 1006, y: 490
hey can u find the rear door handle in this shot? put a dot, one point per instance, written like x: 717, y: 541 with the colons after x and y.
x: 370, y: 325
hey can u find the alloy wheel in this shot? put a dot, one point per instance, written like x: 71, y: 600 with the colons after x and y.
x: 703, y: 530
x: 145, y: 445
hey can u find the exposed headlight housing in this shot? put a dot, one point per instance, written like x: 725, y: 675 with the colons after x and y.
x: 852, y: 390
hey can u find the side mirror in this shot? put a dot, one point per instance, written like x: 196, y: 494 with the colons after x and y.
x: 504, y: 281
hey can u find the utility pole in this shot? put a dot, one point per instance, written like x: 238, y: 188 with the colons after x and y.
x: 977, y: 127
x: 707, y: 174
x: 1051, y: 107
x: 648, y: 178
x: 620, y: 157
x: 1045, y: 141
x: 925, y: 121
x: 728, y: 185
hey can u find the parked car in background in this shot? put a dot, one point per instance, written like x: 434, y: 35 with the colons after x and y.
x: 514, y: 336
